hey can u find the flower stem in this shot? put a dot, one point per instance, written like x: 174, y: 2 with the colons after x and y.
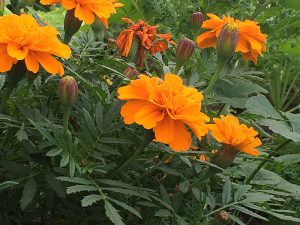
x: 214, y: 79
x: 177, y: 68
x: 250, y: 178
x: 66, y: 115
x: 7, y: 94
x: 260, y: 9
x: 148, y: 137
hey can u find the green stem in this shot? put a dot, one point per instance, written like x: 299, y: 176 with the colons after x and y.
x: 260, y: 9
x: 148, y: 137
x: 66, y: 115
x: 8, y: 92
x: 214, y: 78
x: 177, y: 68
x: 250, y: 178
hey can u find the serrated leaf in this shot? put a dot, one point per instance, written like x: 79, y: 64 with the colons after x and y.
x: 164, y: 195
x: 89, y: 123
x: 163, y: 213
x: 55, y: 185
x: 76, y: 180
x: 90, y: 200
x: 249, y: 212
x: 29, y: 192
x: 99, y: 116
x: 257, y: 197
x: 186, y: 160
x: 113, y: 214
x: 288, y: 159
x: 242, y: 190
x: 128, y: 192
x: 226, y: 194
x: 64, y: 160
x: 54, y: 152
x: 236, y: 219
x: 196, y: 193
x: 127, y: 207
x: 80, y: 188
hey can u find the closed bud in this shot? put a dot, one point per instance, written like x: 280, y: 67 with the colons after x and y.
x: 197, y: 20
x: 71, y: 25
x: 222, y: 217
x: 185, y: 50
x: 67, y: 91
x: 130, y: 72
x: 2, y: 7
x: 227, y: 42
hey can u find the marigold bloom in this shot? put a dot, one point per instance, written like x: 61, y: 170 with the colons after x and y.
x: 22, y: 38
x: 251, y: 42
x: 87, y: 10
x: 166, y: 106
x: 228, y: 130
x: 148, y: 37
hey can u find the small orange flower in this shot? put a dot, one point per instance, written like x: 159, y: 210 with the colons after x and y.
x: 148, y: 37
x: 22, y: 38
x: 251, y: 42
x: 166, y: 106
x: 87, y: 10
x: 203, y: 158
x: 228, y: 130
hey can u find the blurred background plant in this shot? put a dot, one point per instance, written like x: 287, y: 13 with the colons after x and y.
x: 50, y: 177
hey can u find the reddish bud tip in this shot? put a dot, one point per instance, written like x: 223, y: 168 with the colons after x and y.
x: 222, y: 217
x: 227, y: 41
x: 67, y: 91
x: 130, y: 72
x: 185, y: 50
x: 197, y: 20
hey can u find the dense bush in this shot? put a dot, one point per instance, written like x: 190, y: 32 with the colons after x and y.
x: 66, y: 155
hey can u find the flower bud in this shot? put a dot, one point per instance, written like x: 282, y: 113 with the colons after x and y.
x: 222, y: 217
x: 71, y: 25
x: 2, y: 7
x: 130, y: 72
x: 197, y: 20
x: 185, y: 50
x: 224, y: 157
x: 227, y: 42
x: 67, y: 91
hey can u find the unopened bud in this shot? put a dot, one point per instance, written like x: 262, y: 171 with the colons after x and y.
x: 2, y: 7
x: 71, y: 25
x: 224, y: 157
x: 222, y: 217
x: 227, y: 42
x: 197, y: 20
x: 67, y: 91
x: 130, y: 72
x: 185, y: 50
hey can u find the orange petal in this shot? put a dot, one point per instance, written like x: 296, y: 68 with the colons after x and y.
x: 32, y: 63
x: 149, y: 116
x: 182, y: 139
x: 164, y: 131
x: 130, y: 108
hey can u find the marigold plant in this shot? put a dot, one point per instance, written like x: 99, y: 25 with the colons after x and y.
x: 88, y: 10
x: 166, y: 106
x: 149, y: 39
x: 228, y: 130
x: 251, y: 42
x: 22, y: 38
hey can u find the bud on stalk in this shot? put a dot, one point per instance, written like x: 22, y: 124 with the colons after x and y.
x: 2, y: 7
x: 130, y: 72
x: 67, y: 91
x: 197, y: 20
x: 222, y: 217
x: 224, y: 157
x: 227, y: 42
x: 185, y: 50
x: 71, y: 25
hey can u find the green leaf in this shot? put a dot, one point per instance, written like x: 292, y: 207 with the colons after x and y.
x: 89, y: 123
x: 127, y: 207
x: 164, y: 195
x: 90, y: 200
x: 112, y: 140
x: 180, y: 220
x: 236, y: 219
x: 54, y: 152
x: 64, y: 160
x: 76, y: 180
x: 226, y: 195
x: 288, y: 159
x: 7, y: 184
x: 184, y: 186
x: 128, y: 192
x: 260, y: 105
x: 99, y: 116
x: 29, y: 192
x: 249, y: 212
x: 163, y: 213
x: 55, y: 184
x: 113, y: 214
x: 22, y: 135
x: 294, y: 120
x: 80, y: 188
x: 257, y: 197
x: 2, y: 81
x: 242, y: 190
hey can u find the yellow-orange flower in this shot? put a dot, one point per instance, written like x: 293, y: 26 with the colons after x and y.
x: 251, y: 42
x: 148, y: 37
x: 87, y: 10
x: 166, y: 106
x: 22, y: 38
x: 228, y: 130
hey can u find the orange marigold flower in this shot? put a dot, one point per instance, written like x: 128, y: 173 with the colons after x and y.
x: 251, y: 42
x: 166, y: 106
x: 87, y: 10
x: 22, y: 38
x: 148, y: 37
x: 228, y: 130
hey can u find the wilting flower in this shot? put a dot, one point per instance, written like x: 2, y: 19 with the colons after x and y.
x: 166, y: 106
x: 22, y: 38
x: 251, y: 42
x: 229, y: 131
x: 87, y: 10
x: 147, y: 37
